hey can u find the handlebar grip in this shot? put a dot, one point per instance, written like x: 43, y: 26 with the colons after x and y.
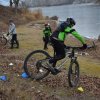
x: 90, y: 46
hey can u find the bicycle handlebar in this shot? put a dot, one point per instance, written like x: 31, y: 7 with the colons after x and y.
x: 77, y: 48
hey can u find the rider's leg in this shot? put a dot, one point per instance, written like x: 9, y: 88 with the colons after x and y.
x: 17, y: 42
x: 46, y: 42
x: 12, y: 42
x: 60, y: 53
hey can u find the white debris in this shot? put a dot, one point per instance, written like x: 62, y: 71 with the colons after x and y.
x: 11, y: 64
x: 41, y: 70
x: 38, y: 91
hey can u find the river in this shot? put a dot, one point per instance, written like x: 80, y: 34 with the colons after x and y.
x: 87, y: 17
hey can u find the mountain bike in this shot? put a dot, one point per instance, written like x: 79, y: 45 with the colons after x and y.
x: 36, y: 65
x: 5, y: 40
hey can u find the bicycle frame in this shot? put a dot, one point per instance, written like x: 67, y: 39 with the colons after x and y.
x: 7, y: 37
x: 70, y: 55
x: 63, y: 62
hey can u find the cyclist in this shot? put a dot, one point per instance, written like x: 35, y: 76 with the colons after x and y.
x: 57, y: 39
x: 12, y: 32
x: 47, y: 31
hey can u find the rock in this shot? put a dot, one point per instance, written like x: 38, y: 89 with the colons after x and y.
x: 54, y: 18
x: 11, y: 64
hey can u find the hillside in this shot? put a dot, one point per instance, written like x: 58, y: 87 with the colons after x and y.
x: 52, y: 87
x: 23, y: 16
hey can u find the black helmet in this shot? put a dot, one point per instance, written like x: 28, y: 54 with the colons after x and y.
x: 71, y: 21
x: 46, y: 24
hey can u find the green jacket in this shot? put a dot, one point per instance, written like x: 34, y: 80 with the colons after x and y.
x: 68, y: 30
x: 47, y: 31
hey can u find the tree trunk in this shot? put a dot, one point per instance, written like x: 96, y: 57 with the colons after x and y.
x: 11, y: 3
x: 16, y: 2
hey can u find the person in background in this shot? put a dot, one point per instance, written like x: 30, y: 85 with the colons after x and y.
x: 12, y: 32
x: 46, y: 35
x: 57, y: 39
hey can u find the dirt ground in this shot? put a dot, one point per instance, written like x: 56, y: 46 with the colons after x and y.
x: 51, y: 87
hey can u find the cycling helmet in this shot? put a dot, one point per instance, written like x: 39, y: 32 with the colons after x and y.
x: 48, y: 24
x: 71, y: 21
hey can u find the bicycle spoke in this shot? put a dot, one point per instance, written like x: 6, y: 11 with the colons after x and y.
x: 73, y: 74
x: 35, y: 64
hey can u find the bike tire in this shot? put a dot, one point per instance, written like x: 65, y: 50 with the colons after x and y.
x: 29, y: 72
x: 3, y: 41
x: 73, y: 82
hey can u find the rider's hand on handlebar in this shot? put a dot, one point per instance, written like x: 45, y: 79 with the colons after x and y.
x: 84, y: 46
x: 7, y: 33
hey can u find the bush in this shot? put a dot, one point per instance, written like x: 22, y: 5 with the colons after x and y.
x: 23, y: 15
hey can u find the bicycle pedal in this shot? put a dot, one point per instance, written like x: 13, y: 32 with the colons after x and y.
x: 55, y: 72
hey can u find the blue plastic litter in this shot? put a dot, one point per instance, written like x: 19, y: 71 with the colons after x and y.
x: 24, y: 75
x: 4, y: 78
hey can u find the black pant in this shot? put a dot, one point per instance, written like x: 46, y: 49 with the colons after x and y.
x: 14, y: 41
x: 46, y: 41
x: 58, y: 49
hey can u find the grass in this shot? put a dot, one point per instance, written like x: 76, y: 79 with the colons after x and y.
x: 31, y: 39
x: 23, y: 15
x: 89, y: 66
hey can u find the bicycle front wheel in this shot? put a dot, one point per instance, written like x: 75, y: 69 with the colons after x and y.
x: 34, y: 64
x: 73, y: 73
x: 3, y: 41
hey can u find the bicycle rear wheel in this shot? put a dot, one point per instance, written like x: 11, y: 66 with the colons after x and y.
x: 3, y: 41
x: 35, y: 64
x: 73, y: 73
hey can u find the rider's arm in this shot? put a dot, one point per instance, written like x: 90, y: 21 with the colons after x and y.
x: 50, y: 30
x: 11, y: 29
x: 78, y: 36
x: 44, y: 33
x: 75, y: 34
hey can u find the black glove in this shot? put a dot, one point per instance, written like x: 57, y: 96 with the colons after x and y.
x: 7, y: 33
x: 84, y: 46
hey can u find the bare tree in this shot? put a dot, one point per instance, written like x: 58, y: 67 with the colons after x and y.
x: 16, y: 3
x: 11, y: 3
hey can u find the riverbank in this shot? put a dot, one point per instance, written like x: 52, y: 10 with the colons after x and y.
x: 22, y: 17
x: 51, y: 87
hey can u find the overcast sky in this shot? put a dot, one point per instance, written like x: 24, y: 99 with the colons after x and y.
x: 4, y: 2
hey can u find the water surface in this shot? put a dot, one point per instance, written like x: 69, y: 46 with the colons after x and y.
x: 87, y: 17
